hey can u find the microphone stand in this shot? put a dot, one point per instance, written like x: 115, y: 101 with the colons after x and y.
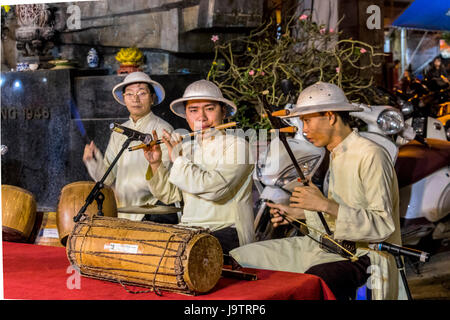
x: 397, y: 252
x: 96, y: 190
x: 401, y: 268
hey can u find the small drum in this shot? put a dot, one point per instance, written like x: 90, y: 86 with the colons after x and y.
x: 18, y: 213
x: 72, y: 198
x: 48, y: 231
x: 147, y: 254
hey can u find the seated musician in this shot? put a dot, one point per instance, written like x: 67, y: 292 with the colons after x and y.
x: 362, y: 206
x: 210, y: 174
x: 139, y: 94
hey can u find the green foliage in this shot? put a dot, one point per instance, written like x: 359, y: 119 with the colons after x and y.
x: 248, y: 67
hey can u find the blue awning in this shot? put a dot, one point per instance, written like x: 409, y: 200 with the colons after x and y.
x: 432, y: 15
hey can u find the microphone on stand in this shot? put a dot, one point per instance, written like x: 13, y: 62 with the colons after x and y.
x: 4, y: 149
x: 130, y: 133
x: 399, y: 250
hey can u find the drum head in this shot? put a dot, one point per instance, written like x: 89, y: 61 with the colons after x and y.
x: 205, y: 262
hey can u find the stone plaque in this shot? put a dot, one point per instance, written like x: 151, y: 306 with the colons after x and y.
x: 48, y: 115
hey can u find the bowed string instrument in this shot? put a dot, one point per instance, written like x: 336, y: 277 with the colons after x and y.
x: 344, y: 248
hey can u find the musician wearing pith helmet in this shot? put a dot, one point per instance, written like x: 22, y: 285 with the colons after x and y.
x: 361, y: 206
x: 139, y: 94
x: 207, y: 172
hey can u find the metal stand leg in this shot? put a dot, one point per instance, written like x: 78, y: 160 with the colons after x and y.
x: 401, y: 268
x: 94, y: 194
x: 100, y: 198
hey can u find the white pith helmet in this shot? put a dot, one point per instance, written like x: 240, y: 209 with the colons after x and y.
x: 321, y: 97
x: 202, y: 90
x: 136, y: 77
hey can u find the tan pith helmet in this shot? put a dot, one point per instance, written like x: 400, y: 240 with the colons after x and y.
x: 320, y: 97
x: 136, y: 77
x: 202, y: 90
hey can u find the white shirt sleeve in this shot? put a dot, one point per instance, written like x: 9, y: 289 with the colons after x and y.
x: 373, y: 221
x: 217, y: 183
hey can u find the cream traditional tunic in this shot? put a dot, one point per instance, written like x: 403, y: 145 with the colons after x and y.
x: 128, y: 175
x: 214, y: 178
x: 364, y: 183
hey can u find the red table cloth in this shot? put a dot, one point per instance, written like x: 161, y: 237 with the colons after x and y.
x: 37, y: 272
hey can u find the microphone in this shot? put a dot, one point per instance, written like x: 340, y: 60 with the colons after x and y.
x: 4, y: 149
x: 398, y: 250
x: 130, y: 133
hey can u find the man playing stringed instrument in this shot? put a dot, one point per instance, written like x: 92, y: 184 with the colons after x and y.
x: 212, y: 173
x: 362, y: 206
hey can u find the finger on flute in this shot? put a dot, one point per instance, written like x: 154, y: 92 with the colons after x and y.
x: 159, y: 141
x: 143, y: 145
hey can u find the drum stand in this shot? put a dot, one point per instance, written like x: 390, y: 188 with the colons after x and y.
x: 95, y: 193
x: 235, y: 271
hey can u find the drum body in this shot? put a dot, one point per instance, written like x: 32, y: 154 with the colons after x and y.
x: 18, y: 213
x: 158, y: 256
x: 47, y: 234
x: 72, y: 198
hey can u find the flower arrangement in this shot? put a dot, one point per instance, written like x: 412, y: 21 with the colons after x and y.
x: 4, y: 13
x: 130, y: 59
x: 6, y: 8
x: 305, y: 53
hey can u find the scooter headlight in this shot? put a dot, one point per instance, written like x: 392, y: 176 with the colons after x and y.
x: 390, y: 121
x: 307, y: 165
x: 407, y: 108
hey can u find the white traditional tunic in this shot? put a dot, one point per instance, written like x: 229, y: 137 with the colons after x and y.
x: 128, y: 175
x: 214, y: 178
x: 364, y: 184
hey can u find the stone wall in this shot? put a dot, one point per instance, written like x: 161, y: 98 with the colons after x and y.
x: 43, y: 115
x: 175, y: 36
x: 40, y: 109
x: 160, y: 24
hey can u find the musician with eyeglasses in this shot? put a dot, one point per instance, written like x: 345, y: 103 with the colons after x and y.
x: 139, y: 94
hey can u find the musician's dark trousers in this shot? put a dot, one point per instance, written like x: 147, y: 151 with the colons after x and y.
x: 343, y: 277
x: 228, y: 238
x: 170, y: 218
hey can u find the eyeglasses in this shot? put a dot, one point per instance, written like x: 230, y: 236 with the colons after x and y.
x: 140, y: 94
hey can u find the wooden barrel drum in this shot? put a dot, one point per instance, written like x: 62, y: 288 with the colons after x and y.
x: 72, y: 198
x: 152, y: 255
x: 48, y: 231
x: 18, y: 213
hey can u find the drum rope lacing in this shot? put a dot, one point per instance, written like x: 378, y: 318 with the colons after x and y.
x: 183, y: 235
x: 154, y: 289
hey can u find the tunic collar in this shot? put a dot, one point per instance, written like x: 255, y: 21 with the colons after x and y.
x: 145, y: 119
